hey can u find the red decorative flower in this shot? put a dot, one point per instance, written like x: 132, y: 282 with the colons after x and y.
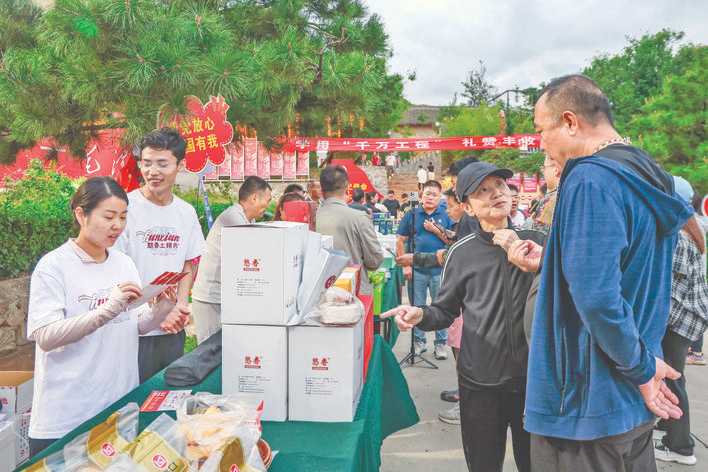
x: 206, y: 131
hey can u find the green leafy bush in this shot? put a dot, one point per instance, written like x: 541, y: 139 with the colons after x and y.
x: 34, y: 218
x: 218, y: 201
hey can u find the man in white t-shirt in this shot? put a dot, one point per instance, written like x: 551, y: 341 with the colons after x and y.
x: 517, y: 216
x: 422, y: 176
x: 163, y: 234
x: 253, y: 199
x: 390, y: 164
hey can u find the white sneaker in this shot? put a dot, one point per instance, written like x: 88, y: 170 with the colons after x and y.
x: 451, y: 416
x: 662, y: 453
x: 420, y: 348
x: 440, y: 352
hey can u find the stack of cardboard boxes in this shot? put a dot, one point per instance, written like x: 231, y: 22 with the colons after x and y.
x: 16, y: 389
x: 301, y: 372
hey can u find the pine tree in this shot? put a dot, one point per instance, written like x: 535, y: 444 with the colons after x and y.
x: 85, y: 65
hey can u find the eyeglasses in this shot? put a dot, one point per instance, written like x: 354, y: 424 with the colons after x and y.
x: 157, y: 165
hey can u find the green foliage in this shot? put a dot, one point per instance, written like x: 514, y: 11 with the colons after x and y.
x: 476, y: 89
x: 519, y: 121
x: 528, y: 163
x: 672, y: 124
x: 35, y: 218
x: 88, y: 64
x: 636, y: 74
x: 659, y: 95
x: 466, y: 121
x: 190, y: 344
x: 219, y: 200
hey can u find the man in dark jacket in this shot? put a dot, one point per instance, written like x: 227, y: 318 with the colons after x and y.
x: 478, y: 280
x: 392, y: 204
x: 596, y: 377
x: 358, y: 201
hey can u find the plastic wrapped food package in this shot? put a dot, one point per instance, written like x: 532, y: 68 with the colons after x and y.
x: 339, y: 307
x: 161, y: 446
x: 232, y: 407
x: 221, y: 429
x: 96, y: 449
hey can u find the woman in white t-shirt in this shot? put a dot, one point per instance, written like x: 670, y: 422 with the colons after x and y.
x: 86, y: 354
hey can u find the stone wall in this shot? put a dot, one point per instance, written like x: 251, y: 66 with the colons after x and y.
x: 14, y: 300
x: 377, y: 176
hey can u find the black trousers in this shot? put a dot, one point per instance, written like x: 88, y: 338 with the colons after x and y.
x: 632, y: 451
x: 485, y: 417
x: 678, y: 432
x: 157, y: 352
x: 38, y: 445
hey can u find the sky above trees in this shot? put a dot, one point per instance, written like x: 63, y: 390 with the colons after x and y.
x: 521, y: 43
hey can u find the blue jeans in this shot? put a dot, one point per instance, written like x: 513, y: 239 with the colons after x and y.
x: 697, y: 346
x: 418, y: 294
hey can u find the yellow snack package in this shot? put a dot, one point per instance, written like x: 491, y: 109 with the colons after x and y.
x: 96, y: 449
x: 160, y: 447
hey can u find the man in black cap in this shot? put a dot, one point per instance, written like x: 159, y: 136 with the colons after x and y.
x: 478, y: 281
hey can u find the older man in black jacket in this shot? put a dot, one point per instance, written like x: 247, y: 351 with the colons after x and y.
x: 478, y: 280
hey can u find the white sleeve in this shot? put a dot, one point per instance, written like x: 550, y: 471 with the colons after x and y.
x: 61, y: 332
x: 150, y: 318
x: 47, y: 301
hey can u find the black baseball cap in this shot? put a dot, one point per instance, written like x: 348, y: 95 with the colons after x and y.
x: 473, y: 174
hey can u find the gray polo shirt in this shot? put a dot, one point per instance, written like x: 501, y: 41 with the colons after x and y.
x: 207, y: 287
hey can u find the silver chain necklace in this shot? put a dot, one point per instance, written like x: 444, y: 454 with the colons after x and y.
x: 626, y: 140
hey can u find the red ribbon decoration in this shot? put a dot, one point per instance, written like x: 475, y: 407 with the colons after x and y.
x: 457, y: 143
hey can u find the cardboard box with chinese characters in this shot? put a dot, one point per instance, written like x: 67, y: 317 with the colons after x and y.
x: 255, y: 365
x: 16, y: 389
x: 7, y: 446
x: 326, y: 372
x: 261, y: 270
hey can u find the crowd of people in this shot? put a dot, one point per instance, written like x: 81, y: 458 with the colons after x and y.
x: 576, y: 323
x: 570, y: 324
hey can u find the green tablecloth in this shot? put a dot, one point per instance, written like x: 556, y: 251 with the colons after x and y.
x: 385, y: 407
x: 392, y: 298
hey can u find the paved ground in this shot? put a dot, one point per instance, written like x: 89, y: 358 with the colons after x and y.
x: 435, y: 446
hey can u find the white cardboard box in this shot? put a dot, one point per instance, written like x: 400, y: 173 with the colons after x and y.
x: 16, y: 389
x: 261, y: 269
x: 325, y: 373
x: 22, y: 437
x: 321, y: 268
x: 255, y: 365
x: 7, y: 446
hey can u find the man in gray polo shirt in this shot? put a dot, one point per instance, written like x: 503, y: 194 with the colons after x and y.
x: 253, y: 199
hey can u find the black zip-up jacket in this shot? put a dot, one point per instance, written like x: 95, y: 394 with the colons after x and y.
x: 479, y: 281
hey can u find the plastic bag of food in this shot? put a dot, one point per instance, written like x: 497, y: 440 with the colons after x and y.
x: 239, y: 453
x: 123, y: 463
x: 51, y: 463
x: 235, y: 409
x: 339, y: 307
x: 161, y: 446
x: 97, y: 448
x: 223, y: 426
x: 100, y: 446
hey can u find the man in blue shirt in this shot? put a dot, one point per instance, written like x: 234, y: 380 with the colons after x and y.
x: 426, y: 217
